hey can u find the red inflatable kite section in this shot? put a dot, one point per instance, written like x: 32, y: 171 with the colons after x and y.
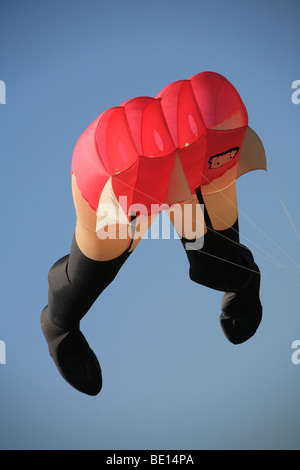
x: 193, y: 128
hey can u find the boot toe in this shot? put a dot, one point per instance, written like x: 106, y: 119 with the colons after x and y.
x: 78, y: 364
x: 72, y: 355
x: 240, y: 318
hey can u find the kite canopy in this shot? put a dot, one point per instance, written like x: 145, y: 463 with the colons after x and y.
x: 154, y: 151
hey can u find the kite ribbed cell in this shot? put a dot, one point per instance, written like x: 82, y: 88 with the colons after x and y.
x: 160, y: 150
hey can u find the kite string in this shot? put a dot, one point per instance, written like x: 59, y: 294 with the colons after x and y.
x: 244, y: 267
x: 240, y: 211
x: 268, y: 257
x: 235, y: 206
x: 284, y: 206
x: 255, y: 225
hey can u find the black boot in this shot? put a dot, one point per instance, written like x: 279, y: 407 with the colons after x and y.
x: 225, y: 265
x: 75, y: 282
x: 242, y: 311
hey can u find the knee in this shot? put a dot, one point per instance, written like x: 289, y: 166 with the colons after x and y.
x: 105, y: 248
x: 57, y: 275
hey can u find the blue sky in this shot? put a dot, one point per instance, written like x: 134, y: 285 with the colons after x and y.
x: 171, y: 379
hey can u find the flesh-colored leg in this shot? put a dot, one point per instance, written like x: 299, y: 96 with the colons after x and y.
x: 187, y: 218
x: 221, y: 208
x: 85, y: 233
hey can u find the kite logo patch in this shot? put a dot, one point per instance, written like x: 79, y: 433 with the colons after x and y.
x: 222, y: 158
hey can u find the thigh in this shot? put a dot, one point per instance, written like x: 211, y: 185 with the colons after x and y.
x: 187, y: 217
x: 221, y: 207
x: 120, y: 237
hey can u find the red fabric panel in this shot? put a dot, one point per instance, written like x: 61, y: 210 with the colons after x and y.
x: 146, y: 193
x: 114, y: 141
x: 89, y: 171
x: 202, y: 118
x: 217, y: 99
x: 222, y: 153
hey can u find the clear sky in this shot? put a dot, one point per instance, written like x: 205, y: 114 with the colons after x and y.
x: 171, y: 379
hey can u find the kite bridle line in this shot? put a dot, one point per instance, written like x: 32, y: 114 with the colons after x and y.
x: 254, y: 224
x: 270, y: 257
